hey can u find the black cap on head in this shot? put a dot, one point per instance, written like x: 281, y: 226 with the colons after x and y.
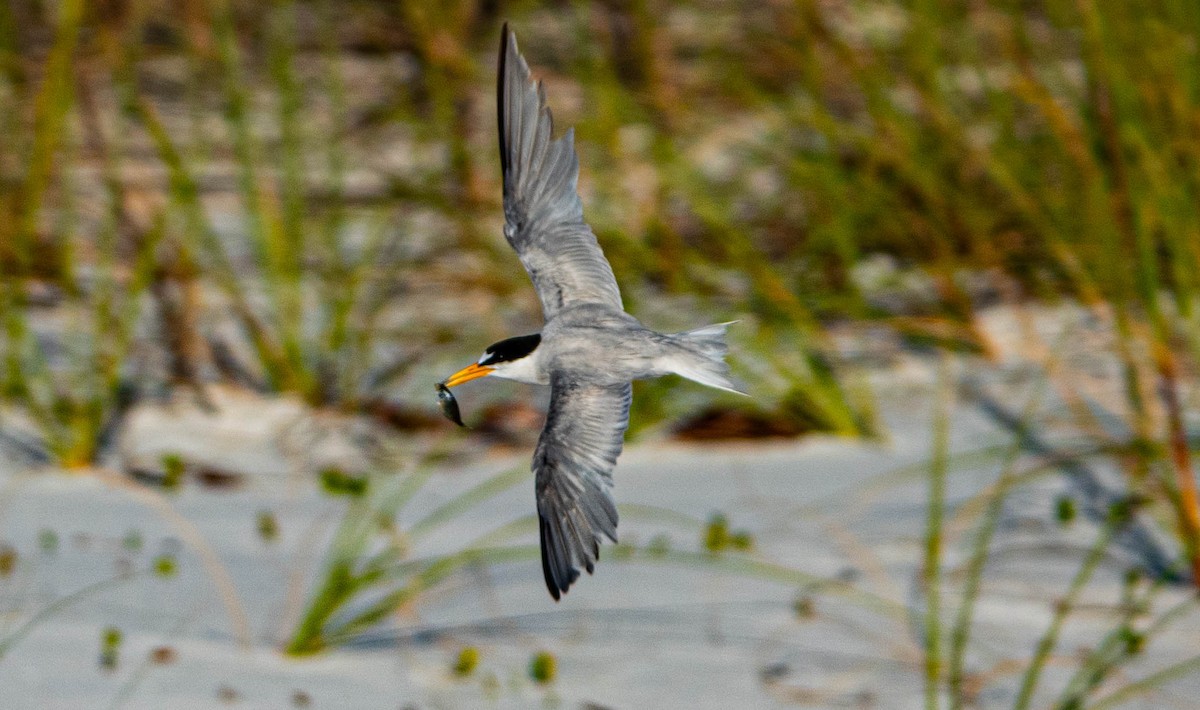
x: 510, y: 349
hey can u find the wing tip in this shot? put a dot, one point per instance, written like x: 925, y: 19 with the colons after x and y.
x: 501, y: 71
x: 549, y: 566
x: 508, y: 61
x: 561, y: 573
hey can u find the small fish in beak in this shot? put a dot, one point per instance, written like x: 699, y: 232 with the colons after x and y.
x: 449, y: 404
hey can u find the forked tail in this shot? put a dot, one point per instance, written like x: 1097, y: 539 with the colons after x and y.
x: 701, y: 357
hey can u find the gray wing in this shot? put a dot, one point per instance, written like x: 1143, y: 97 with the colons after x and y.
x: 584, y: 433
x: 542, y: 211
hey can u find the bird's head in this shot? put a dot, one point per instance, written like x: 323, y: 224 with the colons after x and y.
x: 510, y: 359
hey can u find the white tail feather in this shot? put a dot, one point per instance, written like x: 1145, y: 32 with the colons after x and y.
x: 701, y: 357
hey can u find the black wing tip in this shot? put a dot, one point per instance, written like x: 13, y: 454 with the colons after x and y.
x: 507, y: 39
x: 559, y: 576
x: 552, y: 584
x: 501, y: 71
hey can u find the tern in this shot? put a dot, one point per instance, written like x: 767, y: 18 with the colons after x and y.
x: 589, y: 350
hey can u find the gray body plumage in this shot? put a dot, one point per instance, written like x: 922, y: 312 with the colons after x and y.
x: 596, y: 343
x: 590, y: 349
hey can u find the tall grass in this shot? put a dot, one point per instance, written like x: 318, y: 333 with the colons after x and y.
x: 307, y: 293
x: 932, y: 573
x: 1137, y: 618
x: 71, y: 380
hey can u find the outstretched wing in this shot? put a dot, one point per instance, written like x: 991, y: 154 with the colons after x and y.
x: 584, y: 433
x: 542, y: 211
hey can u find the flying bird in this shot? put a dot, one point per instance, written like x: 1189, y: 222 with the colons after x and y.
x: 589, y: 349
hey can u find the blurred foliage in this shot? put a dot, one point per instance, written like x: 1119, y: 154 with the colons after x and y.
x: 165, y: 566
x: 285, y: 184
x: 543, y: 667
x: 174, y: 467
x: 298, y: 186
x: 337, y: 482
x: 8, y: 560
x: 267, y: 526
x: 110, y: 647
x: 466, y: 662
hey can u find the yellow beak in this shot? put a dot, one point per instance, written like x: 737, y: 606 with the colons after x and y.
x: 468, y: 373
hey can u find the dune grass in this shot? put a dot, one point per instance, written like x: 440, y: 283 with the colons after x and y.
x: 949, y: 610
x: 71, y: 388
x: 371, y: 572
x: 1005, y: 139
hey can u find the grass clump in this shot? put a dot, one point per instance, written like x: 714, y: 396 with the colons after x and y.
x: 716, y: 533
x: 337, y: 482
x: 8, y: 560
x: 110, y: 648
x: 165, y: 566
x: 369, y: 558
x: 718, y: 537
x: 1136, y: 620
x: 543, y: 667
x: 1064, y: 510
x: 267, y: 526
x: 466, y: 662
x: 174, y: 468
x: 741, y: 540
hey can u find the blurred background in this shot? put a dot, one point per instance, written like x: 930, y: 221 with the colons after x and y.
x: 285, y: 194
x: 302, y: 199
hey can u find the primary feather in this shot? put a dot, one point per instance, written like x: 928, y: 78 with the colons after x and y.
x: 542, y: 211
x: 573, y: 463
